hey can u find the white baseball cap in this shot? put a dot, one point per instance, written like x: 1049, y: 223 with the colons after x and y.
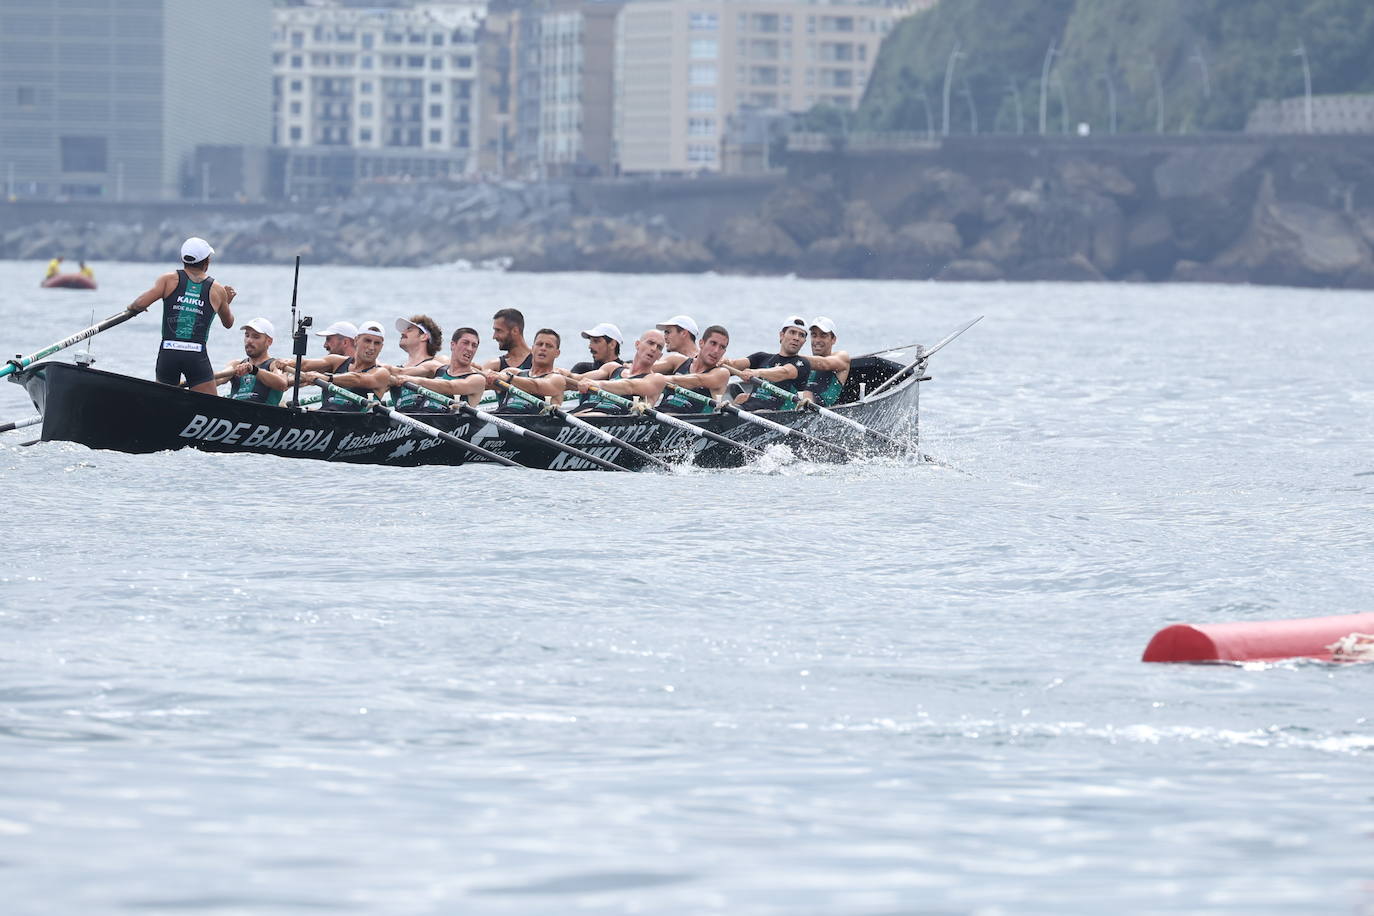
x: 794, y: 321
x: 342, y: 328
x: 372, y: 327
x: 825, y: 324
x: 262, y: 326
x: 606, y: 329
x: 681, y: 321
x: 195, y: 249
x: 403, y: 323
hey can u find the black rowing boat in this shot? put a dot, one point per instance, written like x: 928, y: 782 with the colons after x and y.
x: 106, y: 410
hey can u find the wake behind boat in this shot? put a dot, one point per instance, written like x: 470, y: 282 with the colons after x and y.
x: 110, y: 411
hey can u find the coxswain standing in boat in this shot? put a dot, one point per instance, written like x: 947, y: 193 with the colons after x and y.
x: 254, y: 378
x: 191, y: 299
x: 541, y: 379
x: 603, y: 343
x: 680, y: 336
x: 457, y: 378
x: 636, y: 380
x: 508, y: 331
x: 420, y: 337
x: 360, y: 373
x: 829, y: 368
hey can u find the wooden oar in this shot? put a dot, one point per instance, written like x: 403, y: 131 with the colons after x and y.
x: 20, y: 424
x: 670, y: 420
x: 20, y: 363
x: 516, y: 429
x: 578, y: 422
x: 743, y: 414
x: 921, y: 357
x: 398, y: 417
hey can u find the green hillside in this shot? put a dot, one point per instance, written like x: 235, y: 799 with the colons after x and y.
x: 1213, y: 59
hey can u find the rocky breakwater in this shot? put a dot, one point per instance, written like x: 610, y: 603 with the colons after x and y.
x: 1225, y: 213
x: 520, y: 226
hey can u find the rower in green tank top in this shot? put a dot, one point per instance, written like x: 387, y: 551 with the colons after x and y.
x: 255, y: 378
x: 829, y: 368
x: 420, y: 336
x: 457, y: 378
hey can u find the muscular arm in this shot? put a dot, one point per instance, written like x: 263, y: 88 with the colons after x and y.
x: 548, y: 386
x: 318, y: 364
x: 457, y: 387
x: 741, y: 362
x: 670, y: 363
x: 220, y: 297
x: 649, y: 387
x: 717, y: 380
x: 376, y: 378
x: 161, y: 289
x: 835, y: 362
x: 776, y: 374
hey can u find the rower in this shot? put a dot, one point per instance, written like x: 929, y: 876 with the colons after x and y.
x: 540, y: 379
x: 603, y: 342
x: 190, y: 302
x: 253, y: 378
x: 456, y: 378
x: 636, y: 380
x: 420, y: 336
x: 339, y: 345
x: 508, y: 331
x: 829, y: 369
x: 680, y: 333
x: 785, y: 369
x: 360, y: 373
x: 702, y: 374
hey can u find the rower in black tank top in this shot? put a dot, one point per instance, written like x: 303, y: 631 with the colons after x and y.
x: 676, y: 402
x: 527, y: 364
x: 338, y: 402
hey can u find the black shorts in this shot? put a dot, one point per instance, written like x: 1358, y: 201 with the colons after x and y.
x: 173, y: 364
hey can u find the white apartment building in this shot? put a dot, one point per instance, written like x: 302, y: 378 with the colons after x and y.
x: 684, y: 66
x: 397, y: 86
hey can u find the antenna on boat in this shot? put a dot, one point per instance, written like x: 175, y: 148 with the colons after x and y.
x: 85, y: 359
x: 298, y: 338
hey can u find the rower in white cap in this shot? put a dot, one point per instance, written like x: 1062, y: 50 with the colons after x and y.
x: 829, y: 368
x: 785, y: 369
x: 603, y: 342
x: 680, y: 332
x: 191, y: 300
x: 360, y: 373
x: 254, y: 378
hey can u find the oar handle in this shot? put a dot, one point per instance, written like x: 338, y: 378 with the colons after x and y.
x: 691, y: 395
x: 20, y: 363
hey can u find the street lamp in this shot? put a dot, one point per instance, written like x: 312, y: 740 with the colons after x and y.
x: 1159, y: 96
x: 1015, y: 91
x: 1301, y: 52
x: 972, y: 108
x: 954, y: 55
x: 1111, y: 97
x: 1045, y: 85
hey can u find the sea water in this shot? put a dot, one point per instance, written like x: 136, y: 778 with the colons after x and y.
x: 245, y: 684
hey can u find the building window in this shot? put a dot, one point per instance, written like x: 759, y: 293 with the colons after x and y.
x: 704, y: 49
x: 703, y: 22
x: 415, y: 62
x: 462, y: 63
x: 702, y: 75
x: 701, y: 152
x: 83, y: 154
x: 365, y: 110
x: 701, y: 101
x: 365, y: 87
x: 367, y: 61
x: 296, y: 62
x: 436, y: 88
x: 436, y: 135
x: 701, y: 127
x: 364, y: 135
x: 437, y: 39
x: 296, y: 134
x: 436, y: 63
x: 368, y: 39
x: 297, y: 39
x: 295, y: 108
x: 436, y: 111
x: 296, y: 85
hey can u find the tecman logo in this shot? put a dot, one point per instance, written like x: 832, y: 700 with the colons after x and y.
x: 250, y: 435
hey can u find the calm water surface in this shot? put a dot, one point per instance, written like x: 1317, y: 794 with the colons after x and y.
x: 243, y: 684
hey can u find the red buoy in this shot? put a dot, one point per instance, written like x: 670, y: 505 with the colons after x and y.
x: 1261, y: 641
